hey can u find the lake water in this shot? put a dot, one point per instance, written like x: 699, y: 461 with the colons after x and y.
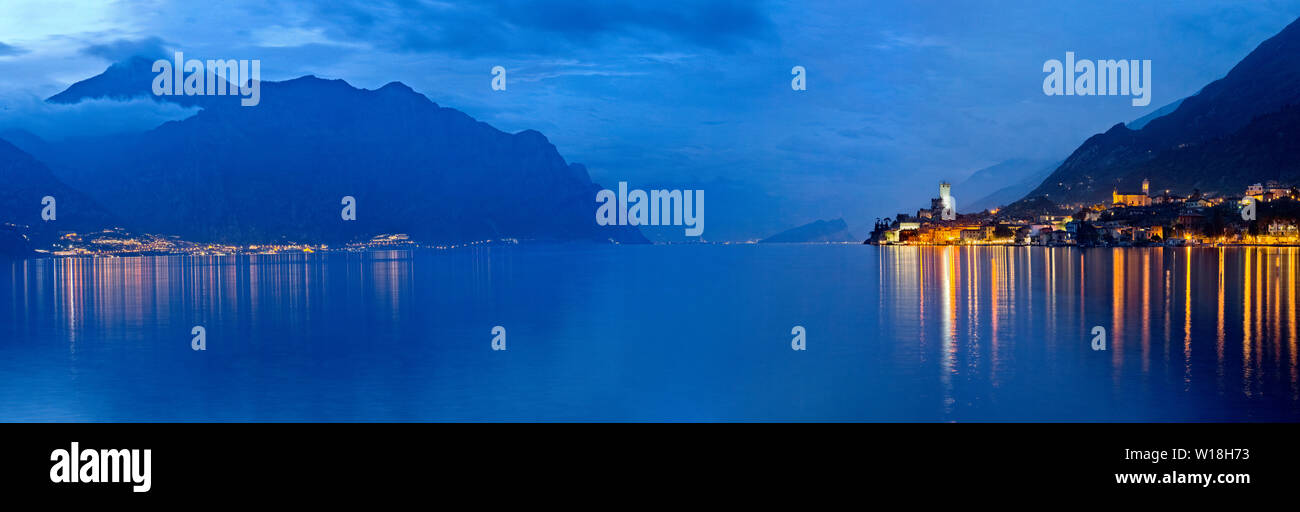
x: 655, y: 333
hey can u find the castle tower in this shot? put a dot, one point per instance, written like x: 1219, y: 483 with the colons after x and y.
x: 1146, y: 186
x: 945, y: 190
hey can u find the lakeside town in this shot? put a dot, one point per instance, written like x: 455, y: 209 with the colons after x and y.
x: 118, y: 242
x: 1263, y: 214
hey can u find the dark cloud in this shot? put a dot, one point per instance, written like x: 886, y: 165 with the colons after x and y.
x: 7, y: 50
x: 516, y: 27
x: 122, y: 49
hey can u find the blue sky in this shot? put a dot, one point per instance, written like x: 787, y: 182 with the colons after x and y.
x: 901, y: 94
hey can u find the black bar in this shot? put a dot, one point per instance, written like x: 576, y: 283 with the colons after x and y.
x: 328, y: 460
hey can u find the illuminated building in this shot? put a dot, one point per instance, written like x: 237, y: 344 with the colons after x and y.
x: 1142, y: 199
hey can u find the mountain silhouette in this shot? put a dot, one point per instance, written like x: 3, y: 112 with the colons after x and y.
x: 26, y: 182
x: 280, y: 170
x: 1001, y: 183
x: 1217, y: 141
x: 817, y: 231
x: 130, y: 79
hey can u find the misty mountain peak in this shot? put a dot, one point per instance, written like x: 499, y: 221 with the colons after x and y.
x: 131, y: 78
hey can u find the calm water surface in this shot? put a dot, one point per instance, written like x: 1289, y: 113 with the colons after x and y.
x: 689, y: 333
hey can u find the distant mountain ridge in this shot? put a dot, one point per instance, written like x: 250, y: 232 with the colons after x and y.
x: 820, y: 231
x: 278, y: 171
x: 1001, y: 184
x: 1139, y: 123
x: 24, y: 182
x: 1186, y: 148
